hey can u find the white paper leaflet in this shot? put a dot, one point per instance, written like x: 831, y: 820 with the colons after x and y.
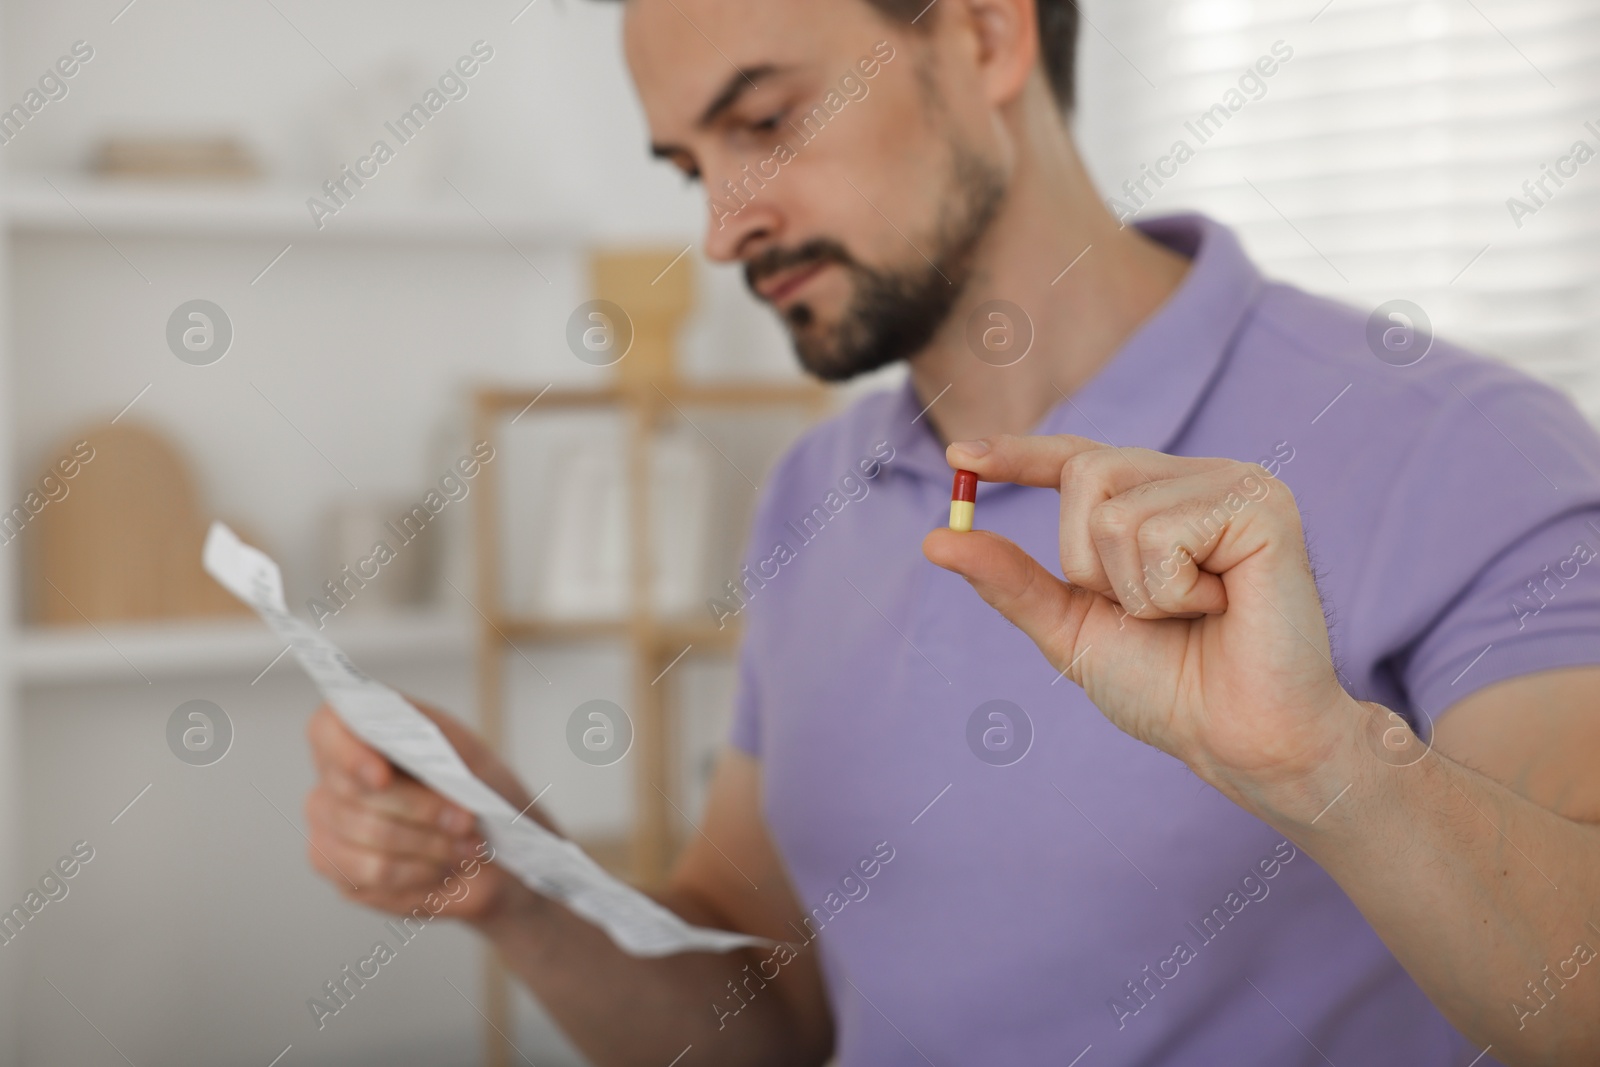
x: 385, y: 720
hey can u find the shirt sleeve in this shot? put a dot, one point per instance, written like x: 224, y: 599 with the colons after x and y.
x: 1536, y: 607
x: 1494, y: 528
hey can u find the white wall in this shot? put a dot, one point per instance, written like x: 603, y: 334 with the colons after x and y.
x: 197, y: 932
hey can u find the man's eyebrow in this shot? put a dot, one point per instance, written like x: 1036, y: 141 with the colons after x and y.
x: 739, y: 82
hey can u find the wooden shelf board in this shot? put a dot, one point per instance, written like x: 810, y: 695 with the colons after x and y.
x: 662, y: 634
x: 517, y: 628
x: 77, y: 204
x: 132, y: 652
x: 700, y: 635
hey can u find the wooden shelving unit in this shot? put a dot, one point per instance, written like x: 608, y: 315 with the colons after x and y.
x: 648, y: 396
x: 654, y: 642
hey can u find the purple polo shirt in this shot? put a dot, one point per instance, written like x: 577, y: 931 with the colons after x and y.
x: 1094, y: 892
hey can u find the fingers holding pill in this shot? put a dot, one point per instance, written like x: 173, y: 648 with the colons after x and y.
x: 1023, y: 460
x: 1126, y: 515
x: 1043, y: 462
x: 1189, y: 610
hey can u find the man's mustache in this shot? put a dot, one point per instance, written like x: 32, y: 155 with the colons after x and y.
x: 818, y: 251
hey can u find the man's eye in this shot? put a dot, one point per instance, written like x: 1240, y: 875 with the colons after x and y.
x: 769, y: 124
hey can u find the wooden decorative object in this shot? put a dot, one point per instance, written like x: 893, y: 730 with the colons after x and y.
x: 124, y: 542
x: 656, y: 289
x: 174, y: 158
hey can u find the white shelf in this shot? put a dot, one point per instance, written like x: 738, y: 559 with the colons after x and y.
x: 200, y: 209
x: 132, y: 652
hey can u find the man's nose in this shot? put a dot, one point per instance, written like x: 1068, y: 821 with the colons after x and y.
x: 741, y: 213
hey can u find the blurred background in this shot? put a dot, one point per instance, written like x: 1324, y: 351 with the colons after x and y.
x: 333, y: 376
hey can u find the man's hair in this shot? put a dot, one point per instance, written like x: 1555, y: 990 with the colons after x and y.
x: 1058, y: 41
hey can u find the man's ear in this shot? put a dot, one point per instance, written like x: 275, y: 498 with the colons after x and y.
x: 1005, y: 37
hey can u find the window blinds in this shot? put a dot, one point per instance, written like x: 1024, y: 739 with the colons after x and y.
x: 1441, y: 151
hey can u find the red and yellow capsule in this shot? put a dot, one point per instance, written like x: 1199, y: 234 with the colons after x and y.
x: 963, y: 501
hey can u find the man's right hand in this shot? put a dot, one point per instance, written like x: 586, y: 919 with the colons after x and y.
x: 387, y: 841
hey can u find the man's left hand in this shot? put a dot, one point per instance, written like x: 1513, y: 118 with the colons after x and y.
x: 1189, y: 614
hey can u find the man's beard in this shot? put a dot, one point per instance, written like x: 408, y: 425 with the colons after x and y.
x: 893, y: 314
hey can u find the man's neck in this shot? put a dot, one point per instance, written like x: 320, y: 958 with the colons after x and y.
x: 1085, y: 284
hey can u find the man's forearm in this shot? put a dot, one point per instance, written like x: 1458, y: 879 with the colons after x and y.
x: 622, y: 1010
x: 1491, y: 902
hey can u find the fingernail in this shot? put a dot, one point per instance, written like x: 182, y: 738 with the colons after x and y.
x: 972, y: 448
x: 372, y: 774
x: 456, y: 821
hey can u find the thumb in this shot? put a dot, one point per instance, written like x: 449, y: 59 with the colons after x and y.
x: 1047, y: 609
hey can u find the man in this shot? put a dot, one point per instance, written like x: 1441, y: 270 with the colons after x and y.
x: 1199, y: 829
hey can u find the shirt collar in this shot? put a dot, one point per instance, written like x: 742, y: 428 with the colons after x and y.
x: 1146, y: 394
